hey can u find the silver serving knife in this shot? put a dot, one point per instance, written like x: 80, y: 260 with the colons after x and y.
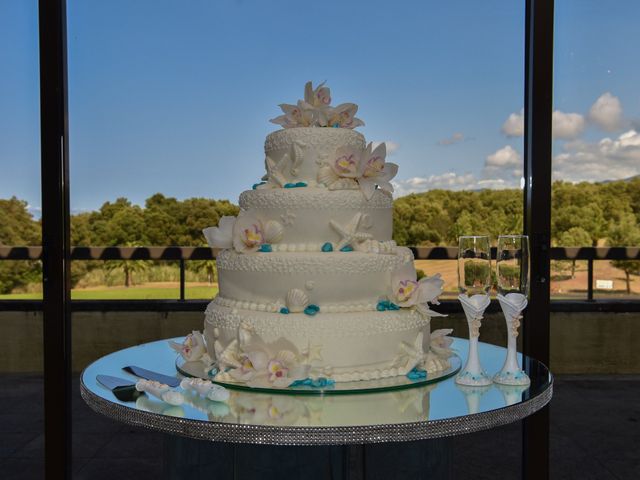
x: 140, y: 372
x: 123, y: 389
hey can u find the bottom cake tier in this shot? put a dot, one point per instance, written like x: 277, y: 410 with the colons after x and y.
x: 339, y: 347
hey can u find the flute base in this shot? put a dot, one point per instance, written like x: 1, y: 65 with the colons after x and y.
x: 473, y: 379
x: 512, y: 377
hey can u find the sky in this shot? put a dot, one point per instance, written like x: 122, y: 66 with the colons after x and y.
x: 175, y: 97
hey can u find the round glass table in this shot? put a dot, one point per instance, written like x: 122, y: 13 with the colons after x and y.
x: 435, y: 410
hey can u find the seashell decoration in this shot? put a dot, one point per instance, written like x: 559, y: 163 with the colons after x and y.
x: 326, y: 175
x: 273, y: 231
x: 297, y: 300
x: 366, y: 221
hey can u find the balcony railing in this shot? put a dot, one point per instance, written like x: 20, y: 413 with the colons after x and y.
x: 184, y: 254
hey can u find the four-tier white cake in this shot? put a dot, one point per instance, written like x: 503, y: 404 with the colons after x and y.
x: 312, y: 288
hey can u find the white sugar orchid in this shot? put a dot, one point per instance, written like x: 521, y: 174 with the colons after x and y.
x: 300, y: 115
x: 193, y: 347
x: 344, y: 116
x: 315, y: 111
x: 318, y: 97
x: 440, y: 342
x: 248, y: 233
x: 375, y: 171
x: 250, y: 365
x: 258, y: 364
x: 222, y: 235
x: 366, y: 168
x: 408, y: 292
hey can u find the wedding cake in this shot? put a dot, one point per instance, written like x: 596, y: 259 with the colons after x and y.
x: 312, y: 288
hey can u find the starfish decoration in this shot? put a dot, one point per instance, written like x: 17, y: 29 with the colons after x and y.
x: 410, y: 355
x: 274, y: 170
x: 297, y: 155
x: 312, y: 353
x: 349, y: 234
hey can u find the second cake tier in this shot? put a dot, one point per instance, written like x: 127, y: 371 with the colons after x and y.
x: 309, y: 218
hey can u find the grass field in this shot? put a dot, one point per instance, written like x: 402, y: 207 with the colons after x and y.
x: 143, y: 292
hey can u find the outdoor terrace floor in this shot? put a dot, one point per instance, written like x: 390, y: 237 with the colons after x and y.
x: 595, y: 434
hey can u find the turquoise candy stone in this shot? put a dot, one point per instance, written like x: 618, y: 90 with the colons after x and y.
x: 317, y: 383
x: 416, y: 374
x: 312, y: 309
x: 327, y: 247
x: 383, y: 305
x: 284, y: 310
x: 256, y: 185
x: 295, y: 185
x: 347, y: 248
x: 336, y: 125
x: 265, y: 247
x: 393, y: 306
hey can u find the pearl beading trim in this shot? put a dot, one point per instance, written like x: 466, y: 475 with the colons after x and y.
x: 276, y: 306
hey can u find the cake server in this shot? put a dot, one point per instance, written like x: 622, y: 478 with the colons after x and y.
x: 150, y: 375
x: 123, y: 389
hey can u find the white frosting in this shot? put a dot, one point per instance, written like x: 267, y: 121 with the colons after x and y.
x: 301, y: 209
x: 314, y: 145
x: 353, y: 346
x: 338, y: 277
x: 306, y: 213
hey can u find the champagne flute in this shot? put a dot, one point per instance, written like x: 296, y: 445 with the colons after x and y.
x: 474, y: 282
x: 512, y: 272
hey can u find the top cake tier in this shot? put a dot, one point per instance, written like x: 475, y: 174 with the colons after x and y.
x: 297, y: 154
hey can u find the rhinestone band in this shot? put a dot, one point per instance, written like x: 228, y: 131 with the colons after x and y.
x: 273, y: 435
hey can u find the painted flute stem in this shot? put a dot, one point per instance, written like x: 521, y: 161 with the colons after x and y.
x: 473, y: 374
x: 512, y: 306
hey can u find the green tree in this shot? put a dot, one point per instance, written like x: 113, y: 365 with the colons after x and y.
x: 18, y: 227
x: 626, y: 234
x: 574, y: 237
x: 208, y: 267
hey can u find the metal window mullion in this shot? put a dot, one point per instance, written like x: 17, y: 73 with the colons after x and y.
x: 55, y: 237
x: 537, y: 214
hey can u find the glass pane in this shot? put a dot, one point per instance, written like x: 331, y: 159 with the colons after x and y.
x: 616, y: 279
x: 21, y: 418
x: 596, y: 163
x: 569, y: 279
x: 169, y: 108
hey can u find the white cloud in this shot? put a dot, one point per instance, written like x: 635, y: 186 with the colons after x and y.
x: 449, y: 181
x: 503, y: 158
x: 453, y: 139
x: 567, y: 125
x: 564, y: 125
x: 392, y: 147
x: 608, y: 159
x: 514, y: 125
x: 606, y: 112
